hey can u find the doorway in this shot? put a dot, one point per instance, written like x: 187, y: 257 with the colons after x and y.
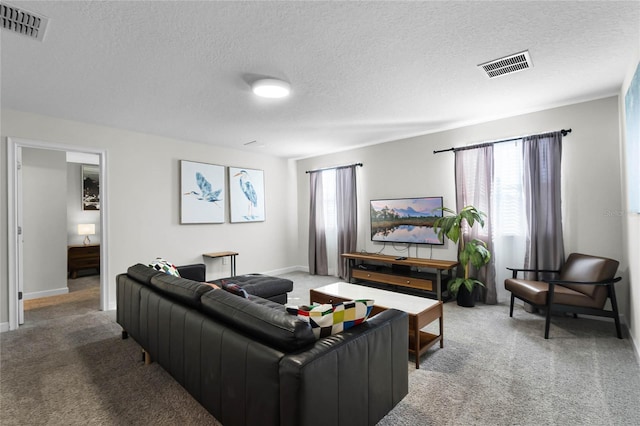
x: 16, y: 221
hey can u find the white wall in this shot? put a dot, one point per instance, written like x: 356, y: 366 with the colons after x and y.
x: 144, y: 215
x: 591, y: 177
x: 44, y: 189
x: 75, y: 214
x: 4, y: 243
x: 631, y: 222
x: 143, y: 188
x: 404, y: 168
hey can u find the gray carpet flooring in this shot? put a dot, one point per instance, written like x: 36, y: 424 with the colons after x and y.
x: 68, y: 365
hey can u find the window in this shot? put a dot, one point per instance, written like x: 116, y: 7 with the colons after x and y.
x: 509, y: 217
x: 330, y: 219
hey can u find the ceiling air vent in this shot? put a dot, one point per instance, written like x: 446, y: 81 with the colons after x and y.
x: 23, y: 22
x: 507, y: 65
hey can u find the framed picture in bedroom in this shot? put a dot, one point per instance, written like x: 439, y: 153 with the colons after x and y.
x: 246, y: 195
x: 202, y: 193
x: 90, y: 187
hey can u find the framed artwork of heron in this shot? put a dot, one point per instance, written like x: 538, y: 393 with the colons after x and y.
x: 246, y: 194
x: 202, y: 192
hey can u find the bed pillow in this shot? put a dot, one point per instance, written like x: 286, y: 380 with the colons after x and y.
x: 330, y: 319
x: 165, y: 266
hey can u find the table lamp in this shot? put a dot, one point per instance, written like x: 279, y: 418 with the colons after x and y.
x: 86, y: 229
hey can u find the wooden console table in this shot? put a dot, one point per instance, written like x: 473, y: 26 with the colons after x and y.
x: 393, y: 270
x: 231, y: 254
x: 80, y: 256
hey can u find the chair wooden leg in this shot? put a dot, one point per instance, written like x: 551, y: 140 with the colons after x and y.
x: 547, y: 323
x: 614, y: 307
x: 511, y: 307
x: 548, y: 318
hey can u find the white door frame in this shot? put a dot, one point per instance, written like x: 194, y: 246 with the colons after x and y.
x: 14, y: 266
x: 20, y: 237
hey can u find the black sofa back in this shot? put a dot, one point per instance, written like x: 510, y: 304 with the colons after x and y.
x: 273, y: 326
x: 249, y: 362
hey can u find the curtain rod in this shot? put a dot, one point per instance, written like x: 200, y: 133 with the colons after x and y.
x: 564, y: 132
x: 335, y: 168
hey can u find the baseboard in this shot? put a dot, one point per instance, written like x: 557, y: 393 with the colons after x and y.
x: 636, y: 348
x: 625, y: 332
x: 46, y: 293
x: 286, y: 270
x: 4, y: 326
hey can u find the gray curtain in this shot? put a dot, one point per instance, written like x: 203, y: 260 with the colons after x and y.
x: 347, y: 220
x: 317, y: 239
x: 474, y: 178
x: 545, y: 243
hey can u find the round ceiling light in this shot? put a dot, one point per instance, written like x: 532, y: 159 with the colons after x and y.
x: 271, y: 88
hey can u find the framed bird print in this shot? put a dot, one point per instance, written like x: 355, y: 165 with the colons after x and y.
x: 246, y: 194
x: 202, y: 193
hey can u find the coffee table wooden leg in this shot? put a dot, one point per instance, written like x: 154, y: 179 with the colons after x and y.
x: 146, y: 357
x: 416, y: 340
x: 441, y: 331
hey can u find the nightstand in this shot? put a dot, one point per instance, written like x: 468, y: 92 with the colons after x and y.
x: 83, y: 257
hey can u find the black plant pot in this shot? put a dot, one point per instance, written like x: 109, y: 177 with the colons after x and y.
x: 466, y: 298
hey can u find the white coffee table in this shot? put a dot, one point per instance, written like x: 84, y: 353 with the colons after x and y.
x: 421, y: 311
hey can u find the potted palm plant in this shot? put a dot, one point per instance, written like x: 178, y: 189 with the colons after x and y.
x: 472, y: 252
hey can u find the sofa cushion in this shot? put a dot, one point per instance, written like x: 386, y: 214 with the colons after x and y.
x: 142, y: 273
x: 165, y: 266
x: 328, y: 319
x: 267, y: 302
x: 533, y: 291
x: 212, y: 285
x: 583, y: 267
x: 261, y: 321
x: 261, y: 285
x: 180, y: 289
x: 536, y: 292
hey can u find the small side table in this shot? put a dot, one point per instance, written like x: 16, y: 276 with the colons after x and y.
x: 231, y: 254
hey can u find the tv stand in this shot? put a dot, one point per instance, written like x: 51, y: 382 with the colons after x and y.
x: 401, y: 272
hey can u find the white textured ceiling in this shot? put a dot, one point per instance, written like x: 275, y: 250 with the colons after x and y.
x: 361, y: 72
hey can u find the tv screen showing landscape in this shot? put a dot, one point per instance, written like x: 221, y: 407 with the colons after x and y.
x: 405, y: 220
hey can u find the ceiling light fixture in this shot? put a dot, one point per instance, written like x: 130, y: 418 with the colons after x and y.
x: 271, y: 88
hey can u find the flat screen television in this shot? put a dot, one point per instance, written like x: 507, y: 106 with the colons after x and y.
x: 405, y: 220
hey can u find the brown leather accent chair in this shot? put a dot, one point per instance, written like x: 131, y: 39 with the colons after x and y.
x: 584, y: 284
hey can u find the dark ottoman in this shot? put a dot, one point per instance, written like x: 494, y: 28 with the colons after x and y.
x: 265, y: 286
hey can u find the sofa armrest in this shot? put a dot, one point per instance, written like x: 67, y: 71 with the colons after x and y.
x: 195, y: 272
x: 361, y: 372
x: 128, y: 305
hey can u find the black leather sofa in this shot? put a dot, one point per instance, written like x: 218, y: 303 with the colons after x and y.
x: 248, y: 362
x: 265, y: 286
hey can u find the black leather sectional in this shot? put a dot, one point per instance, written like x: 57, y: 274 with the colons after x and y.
x: 249, y: 362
